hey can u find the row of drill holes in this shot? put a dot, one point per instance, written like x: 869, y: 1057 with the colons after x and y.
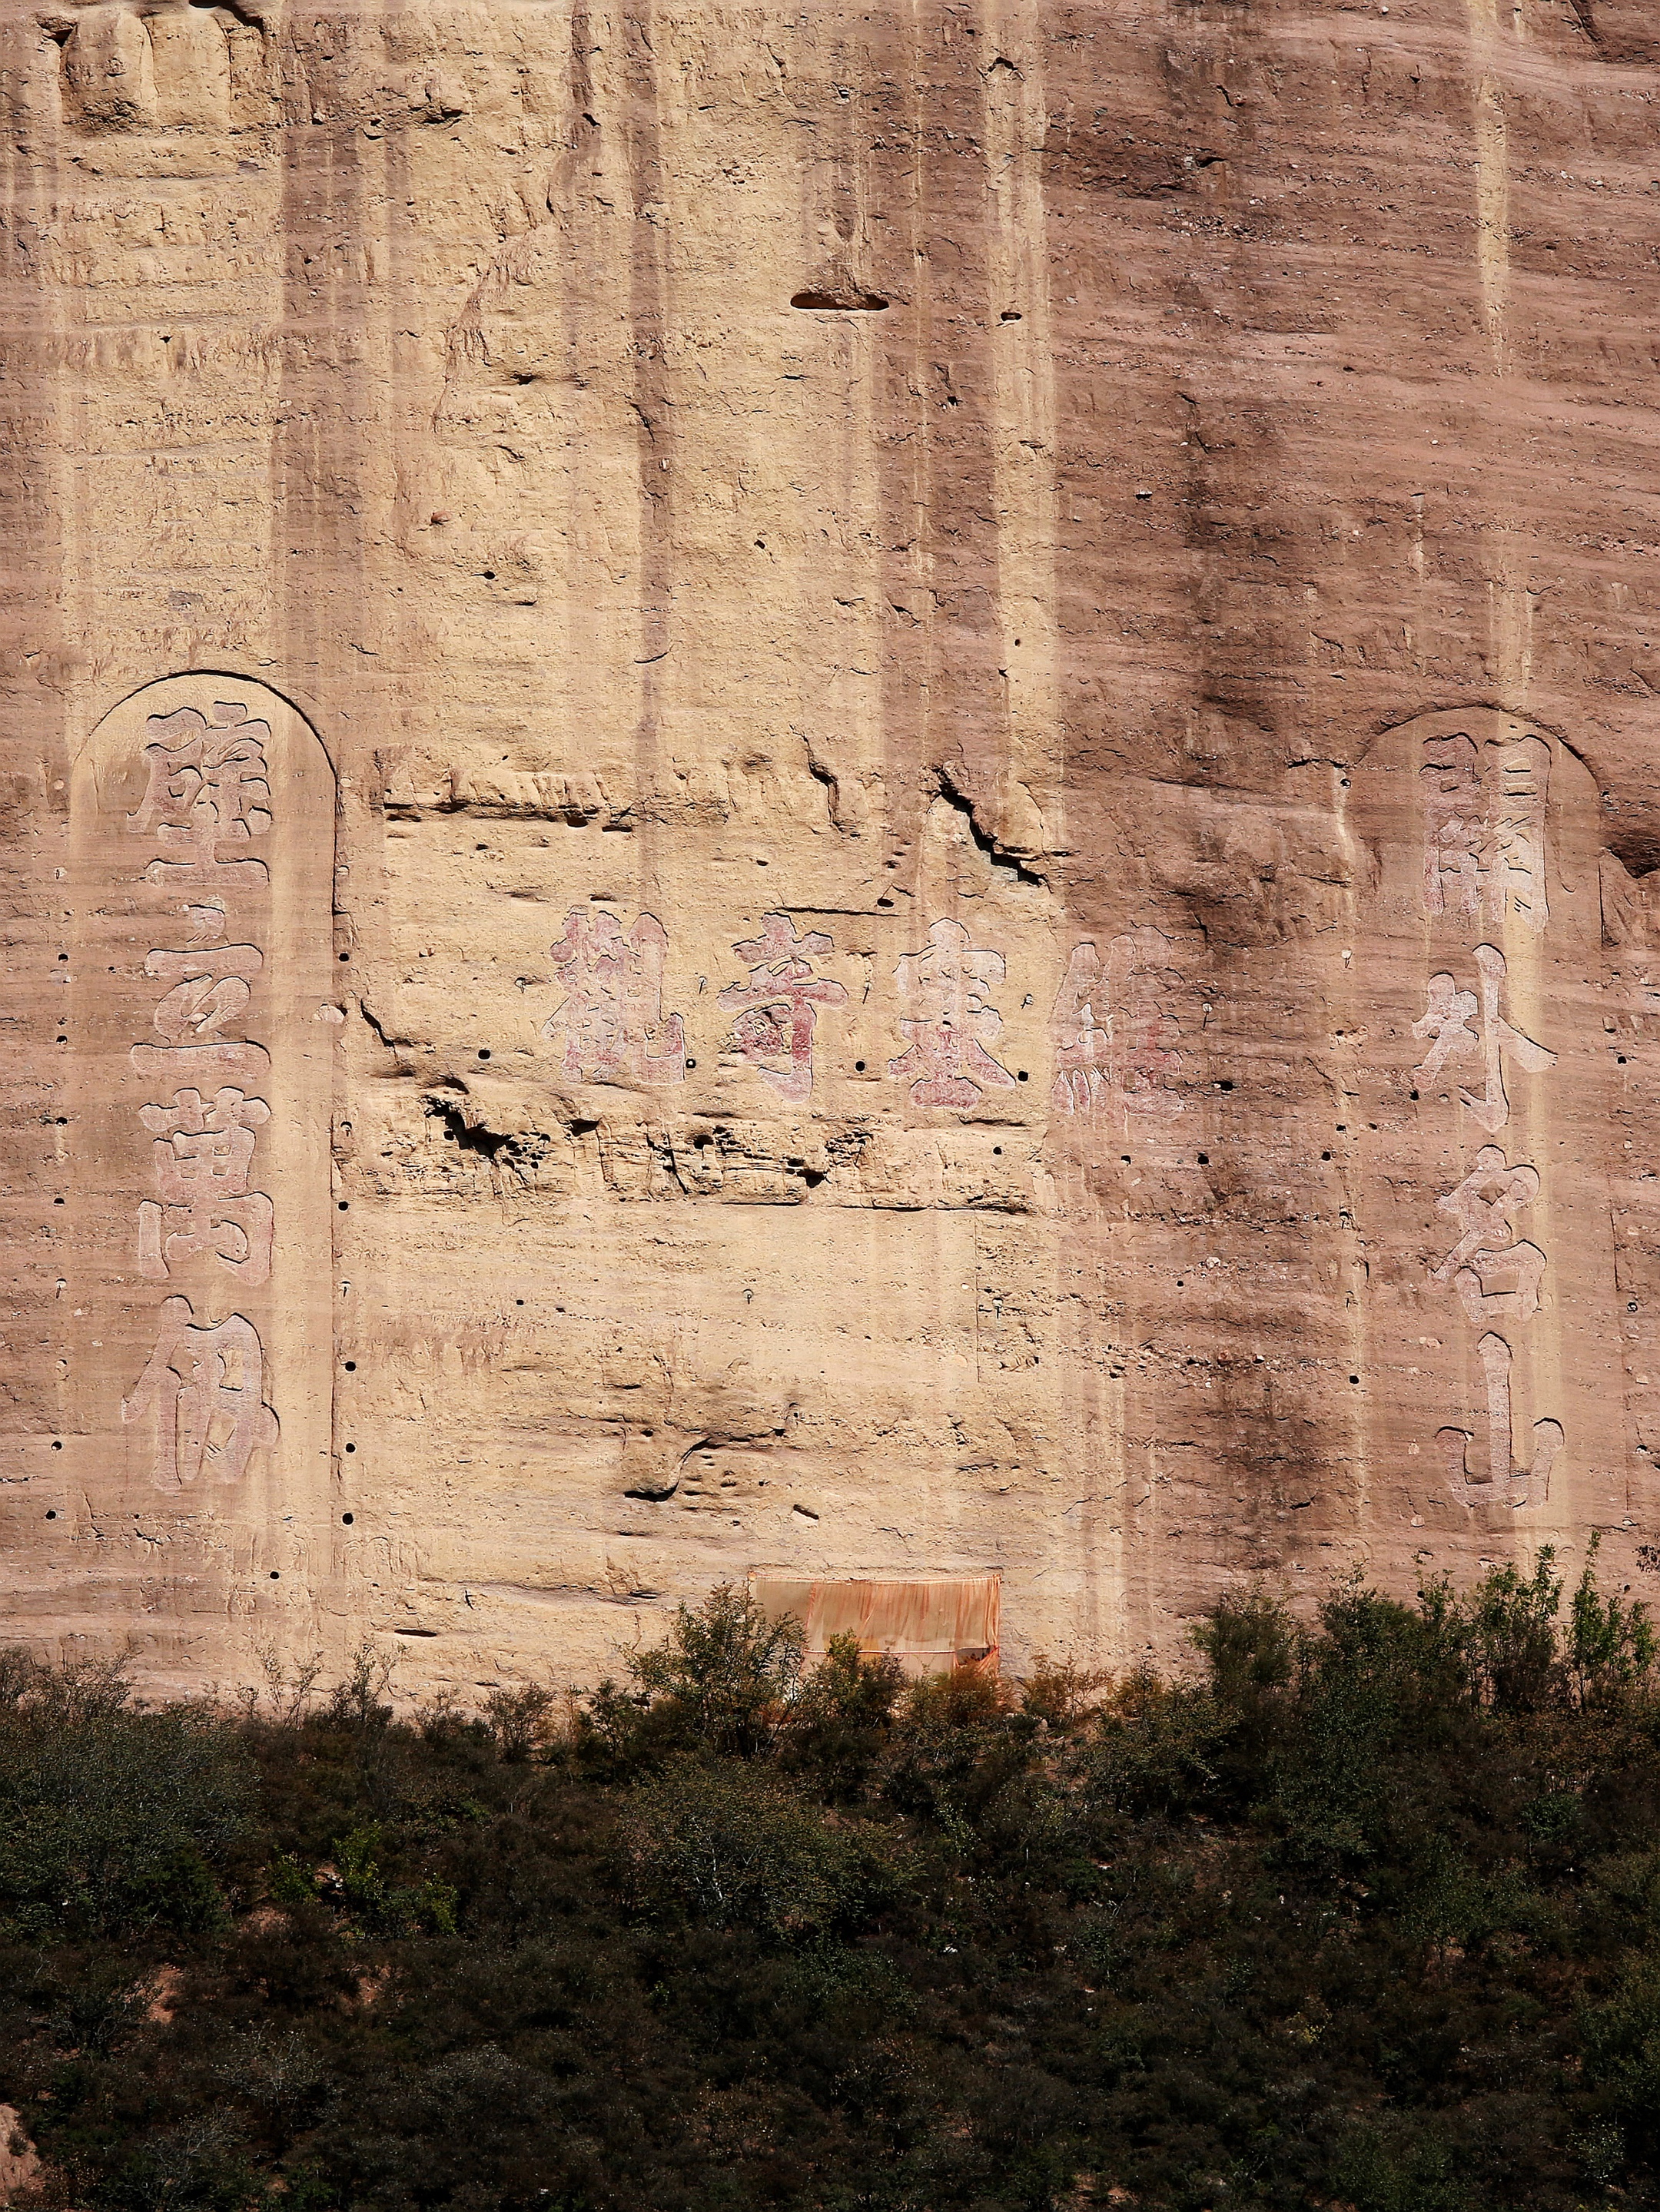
x: 52, y: 1515
x: 858, y: 1065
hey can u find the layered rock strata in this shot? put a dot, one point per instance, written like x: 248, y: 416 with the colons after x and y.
x: 861, y: 796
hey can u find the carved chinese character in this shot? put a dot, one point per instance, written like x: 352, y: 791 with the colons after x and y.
x: 612, y: 1020
x: 1080, y: 1027
x: 1495, y: 1275
x: 1502, y: 1482
x: 1484, y: 827
x: 779, y: 1004
x: 1113, y: 1034
x: 209, y: 980
x: 202, y: 1155
x: 1145, y: 1067
x: 1454, y: 824
x: 1518, y: 781
x: 948, y: 1019
x: 205, y: 1386
x: 209, y: 991
x: 1446, y: 1019
x: 207, y: 786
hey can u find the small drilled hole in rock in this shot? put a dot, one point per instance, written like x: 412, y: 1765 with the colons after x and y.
x: 345, y: 955
x: 351, y: 1367
x: 344, y: 1203
x: 518, y: 1301
x: 1325, y: 1156
x: 1620, y: 1059
x: 347, y: 1519
x: 1011, y: 314
x: 489, y: 578
x: 351, y: 1448
x: 1342, y: 1128
x: 1631, y: 1305
x: 691, y: 1063
x: 1414, y: 1094
x: 1354, y: 1378
x: 1023, y: 1075
x: 55, y: 1444
x: 62, y: 955
x: 882, y: 901
x: 483, y: 1052
x: 58, y: 1201
x: 859, y: 1067
x: 1125, y: 1157
x: 997, y: 1148
x: 1204, y: 1159
x: 51, y: 1513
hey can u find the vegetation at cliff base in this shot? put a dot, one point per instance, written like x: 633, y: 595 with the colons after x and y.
x: 1361, y: 1913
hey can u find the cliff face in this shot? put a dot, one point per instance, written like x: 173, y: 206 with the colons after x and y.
x: 864, y: 792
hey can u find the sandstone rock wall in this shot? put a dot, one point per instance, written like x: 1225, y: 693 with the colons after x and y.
x: 859, y: 794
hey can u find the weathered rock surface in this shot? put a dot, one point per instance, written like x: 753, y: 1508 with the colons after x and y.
x: 860, y: 792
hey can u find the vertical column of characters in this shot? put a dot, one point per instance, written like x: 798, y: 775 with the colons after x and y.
x: 201, y: 1289
x: 1486, y: 876
x: 207, y: 798
x: 1116, y: 1028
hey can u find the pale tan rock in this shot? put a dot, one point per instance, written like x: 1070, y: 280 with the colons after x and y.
x: 844, y: 933
x: 20, y: 2162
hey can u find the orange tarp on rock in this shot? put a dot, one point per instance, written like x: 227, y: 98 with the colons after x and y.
x: 930, y: 1627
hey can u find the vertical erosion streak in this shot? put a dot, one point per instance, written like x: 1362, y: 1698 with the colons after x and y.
x: 1089, y: 1535
x: 1023, y: 402
x: 1510, y: 612
x: 1354, y: 1276
x: 1492, y: 210
x: 653, y: 397
x: 37, y: 404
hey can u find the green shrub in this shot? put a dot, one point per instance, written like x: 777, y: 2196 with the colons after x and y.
x: 838, y: 1725
x: 1154, y: 1747
x: 113, y: 1820
x: 958, y: 1740
x: 734, y: 1846
x: 1620, y: 2039
x: 722, y: 1681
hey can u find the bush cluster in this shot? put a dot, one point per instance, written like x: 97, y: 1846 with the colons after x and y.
x: 1365, y: 1914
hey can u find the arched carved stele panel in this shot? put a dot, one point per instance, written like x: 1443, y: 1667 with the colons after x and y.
x: 1487, y: 1350
x: 201, y: 1033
